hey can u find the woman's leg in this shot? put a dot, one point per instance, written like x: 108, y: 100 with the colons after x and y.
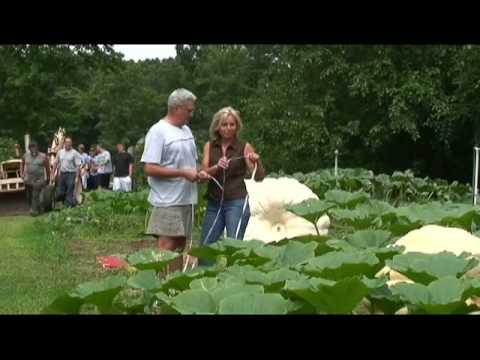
x: 236, y: 217
x: 213, y: 225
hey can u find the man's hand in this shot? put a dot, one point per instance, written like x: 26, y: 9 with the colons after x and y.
x: 191, y: 175
x: 203, y: 175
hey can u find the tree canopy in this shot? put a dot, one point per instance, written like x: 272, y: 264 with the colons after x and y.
x: 384, y: 107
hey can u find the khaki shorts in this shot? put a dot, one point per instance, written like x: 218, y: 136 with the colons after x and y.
x: 170, y: 221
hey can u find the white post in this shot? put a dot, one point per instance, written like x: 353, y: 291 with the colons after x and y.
x: 336, y: 162
x: 26, y: 139
x: 475, y: 175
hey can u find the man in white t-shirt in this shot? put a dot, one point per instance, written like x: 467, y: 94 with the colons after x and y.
x: 104, y: 167
x: 170, y: 162
x: 67, y: 163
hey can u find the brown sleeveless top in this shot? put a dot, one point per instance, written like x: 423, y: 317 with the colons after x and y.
x: 236, y: 173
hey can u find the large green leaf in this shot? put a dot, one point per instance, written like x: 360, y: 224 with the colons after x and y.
x: 254, y: 304
x: 272, y: 281
x: 182, y: 280
x: 345, y: 198
x: 311, y: 209
x: 205, y: 295
x: 147, y: 279
x: 295, y: 253
x: 425, y: 268
x: 207, y: 284
x: 364, y: 239
x: 225, y: 247
x: 413, y: 216
x: 151, y: 259
x: 381, y: 296
x: 329, y: 297
x: 228, y: 289
x: 363, y: 216
x: 65, y: 304
x: 352, y: 217
x: 443, y: 296
x: 342, y: 264
x: 246, y: 273
x: 101, y: 293
x: 194, y: 301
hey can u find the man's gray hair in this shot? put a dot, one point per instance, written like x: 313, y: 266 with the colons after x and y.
x: 179, y: 98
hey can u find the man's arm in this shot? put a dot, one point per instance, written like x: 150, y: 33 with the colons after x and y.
x: 77, y: 160
x: 130, y: 164
x: 47, y: 168
x: 56, y: 163
x: 22, y: 168
x: 156, y: 170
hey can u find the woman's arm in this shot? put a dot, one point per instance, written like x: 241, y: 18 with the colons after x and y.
x: 211, y: 170
x: 251, y: 157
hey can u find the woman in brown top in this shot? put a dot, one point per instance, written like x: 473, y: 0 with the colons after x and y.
x: 228, y: 160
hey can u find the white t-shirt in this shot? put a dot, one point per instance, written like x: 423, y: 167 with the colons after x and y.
x: 69, y: 160
x: 104, y: 161
x: 172, y: 147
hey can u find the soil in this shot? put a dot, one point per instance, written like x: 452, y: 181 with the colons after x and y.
x: 12, y: 204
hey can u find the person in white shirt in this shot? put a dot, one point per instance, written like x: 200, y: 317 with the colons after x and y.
x: 84, y: 167
x: 68, y: 161
x: 170, y: 162
x: 104, y: 166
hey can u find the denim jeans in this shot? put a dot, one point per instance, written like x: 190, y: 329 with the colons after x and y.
x: 229, y: 218
x: 66, y: 189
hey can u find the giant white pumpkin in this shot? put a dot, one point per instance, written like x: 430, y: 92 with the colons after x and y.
x: 269, y: 220
x: 434, y: 239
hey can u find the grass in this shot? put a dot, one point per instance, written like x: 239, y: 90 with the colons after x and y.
x: 36, y: 267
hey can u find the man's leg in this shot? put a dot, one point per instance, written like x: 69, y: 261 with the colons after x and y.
x: 116, y: 184
x: 172, y: 243
x: 128, y: 184
x: 61, y: 188
x: 36, y: 208
x: 175, y: 244
x: 95, y: 182
x: 28, y: 192
x: 70, y: 193
x: 106, y: 181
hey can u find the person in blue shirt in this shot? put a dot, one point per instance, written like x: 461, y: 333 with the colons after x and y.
x: 85, y: 165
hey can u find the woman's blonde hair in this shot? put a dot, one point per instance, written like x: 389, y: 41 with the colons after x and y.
x: 221, y: 115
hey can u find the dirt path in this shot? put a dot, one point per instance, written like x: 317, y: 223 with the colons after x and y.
x: 13, y: 204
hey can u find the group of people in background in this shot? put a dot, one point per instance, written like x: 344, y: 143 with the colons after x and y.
x: 99, y: 165
x: 93, y: 170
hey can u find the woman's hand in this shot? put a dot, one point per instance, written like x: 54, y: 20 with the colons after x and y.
x: 223, y: 163
x: 253, y: 157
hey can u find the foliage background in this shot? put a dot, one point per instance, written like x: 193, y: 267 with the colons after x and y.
x: 385, y: 107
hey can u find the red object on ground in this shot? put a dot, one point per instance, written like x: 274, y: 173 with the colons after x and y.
x: 112, y: 262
